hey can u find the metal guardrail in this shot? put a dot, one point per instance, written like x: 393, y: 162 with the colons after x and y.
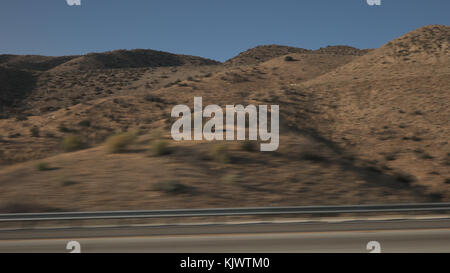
x: 20, y: 217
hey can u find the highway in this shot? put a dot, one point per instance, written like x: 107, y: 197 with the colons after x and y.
x: 293, y: 237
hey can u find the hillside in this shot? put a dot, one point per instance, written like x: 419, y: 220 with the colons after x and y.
x: 137, y: 58
x: 427, y: 44
x: 264, y: 53
x: 342, y: 50
x: 15, y: 85
x: 391, y: 105
x: 32, y: 62
x: 357, y: 127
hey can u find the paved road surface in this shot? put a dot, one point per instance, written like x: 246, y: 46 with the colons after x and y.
x: 394, y: 236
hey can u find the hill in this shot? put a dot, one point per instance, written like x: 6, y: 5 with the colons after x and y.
x: 342, y: 50
x: 32, y: 62
x: 391, y: 105
x: 264, y: 53
x: 355, y: 129
x: 15, y: 85
x: 137, y: 58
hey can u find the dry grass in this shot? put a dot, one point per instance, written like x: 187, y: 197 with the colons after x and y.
x: 352, y: 125
x: 119, y: 143
x: 220, y: 153
x: 72, y: 143
x: 160, y: 147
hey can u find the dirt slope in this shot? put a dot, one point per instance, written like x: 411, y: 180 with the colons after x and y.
x: 33, y: 62
x: 355, y: 128
x: 137, y: 58
x: 391, y: 105
x: 264, y: 53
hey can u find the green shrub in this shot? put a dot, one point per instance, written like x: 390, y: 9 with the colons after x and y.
x: 21, y: 118
x: 219, y: 153
x: 427, y: 156
x: 65, y: 182
x: 156, y: 134
x: 405, y: 178
x: 171, y: 187
x: 42, y: 166
x: 85, y: 123
x: 151, y: 98
x: 72, y: 143
x: 16, y: 135
x: 232, y: 178
x: 248, y: 146
x: 390, y: 157
x: 160, y: 148
x: 35, y: 131
x: 63, y: 129
x: 289, y: 59
x: 119, y: 143
x: 312, y: 156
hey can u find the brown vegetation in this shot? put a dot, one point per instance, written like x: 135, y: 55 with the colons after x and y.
x: 357, y: 126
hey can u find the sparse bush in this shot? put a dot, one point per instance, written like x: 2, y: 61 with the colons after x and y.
x: 374, y: 169
x: 72, y: 143
x: 171, y: 187
x: 49, y: 135
x: 65, y: 182
x: 21, y: 118
x: 16, y: 135
x: 436, y: 197
x: 160, y: 147
x: 19, y: 207
x: 156, y: 134
x: 63, y: 129
x: 447, y: 181
x: 35, y: 131
x: 85, y: 123
x: 248, y: 146
x: 289, y: 59
x: 405, y: 178
x: 151, y: 98
x: 233, y: 77
x: 119, y: 143
x: 427, y: 156
x: 219, y: 153
x: 310, y: 156
x: 231, y: 178
x: 390, y: 157
x: 42, y: 166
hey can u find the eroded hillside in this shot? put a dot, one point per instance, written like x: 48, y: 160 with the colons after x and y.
x: 357, y: 127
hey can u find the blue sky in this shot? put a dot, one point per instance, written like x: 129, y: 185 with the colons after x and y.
x: 217, y: 29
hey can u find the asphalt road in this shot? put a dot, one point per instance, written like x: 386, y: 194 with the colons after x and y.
x: 393, y: 236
